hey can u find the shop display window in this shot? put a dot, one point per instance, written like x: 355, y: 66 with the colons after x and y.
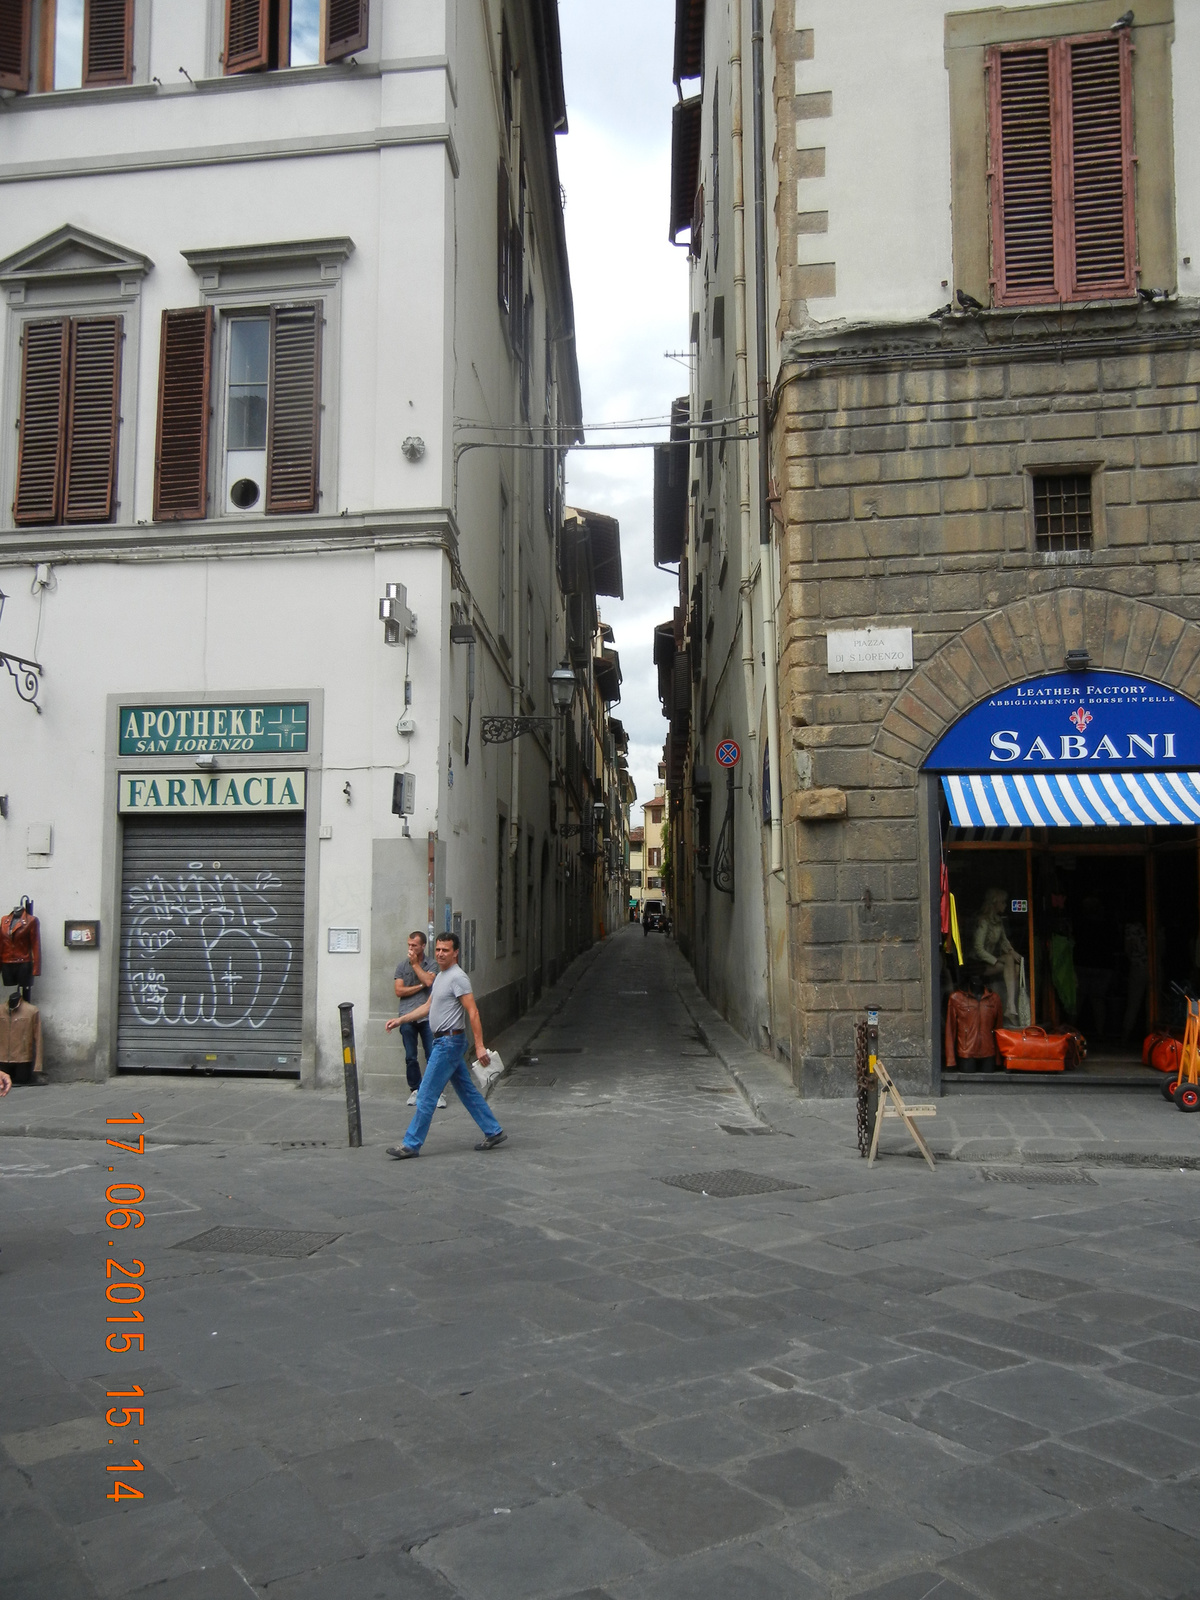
x: 1108, y: 931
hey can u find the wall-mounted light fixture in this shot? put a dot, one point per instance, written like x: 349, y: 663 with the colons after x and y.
x: 1078, y: 660
x: 500, y: 730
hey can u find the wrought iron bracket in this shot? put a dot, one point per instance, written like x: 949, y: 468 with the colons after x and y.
x: 500, y: 730
x: 26, y: 676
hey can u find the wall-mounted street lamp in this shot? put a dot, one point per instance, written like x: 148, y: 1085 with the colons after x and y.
x: 500, y: 730
x: 25, y: 674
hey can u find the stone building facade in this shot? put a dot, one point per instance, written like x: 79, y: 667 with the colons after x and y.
x: 910, y: 473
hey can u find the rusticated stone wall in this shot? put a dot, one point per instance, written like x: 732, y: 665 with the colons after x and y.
x: 905, y: 474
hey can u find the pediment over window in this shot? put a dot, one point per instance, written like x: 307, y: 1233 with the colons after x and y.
x: 69, y: 254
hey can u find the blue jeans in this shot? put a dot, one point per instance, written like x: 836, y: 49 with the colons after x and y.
x: 410, y: 1032
x: 448, y: 1064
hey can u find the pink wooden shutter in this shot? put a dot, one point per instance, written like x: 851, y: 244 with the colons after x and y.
x: 1099, y: 220
x: 1022, y: 172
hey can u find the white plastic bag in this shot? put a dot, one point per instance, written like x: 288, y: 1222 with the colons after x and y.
x: 1023, y: 1012
x: 486, y: 1078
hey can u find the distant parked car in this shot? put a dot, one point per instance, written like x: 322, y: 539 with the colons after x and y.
x: 652, y: 915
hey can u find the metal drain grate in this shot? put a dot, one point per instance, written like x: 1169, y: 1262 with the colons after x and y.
x: 258, y: 1242
x: 1056, y: 1175
x: 304, y: 1144
x: 731, y: 1181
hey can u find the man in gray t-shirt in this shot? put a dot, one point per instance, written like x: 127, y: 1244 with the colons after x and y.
x: 451, y: 1010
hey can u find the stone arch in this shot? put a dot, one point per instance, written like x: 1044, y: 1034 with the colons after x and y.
x: 1025, y: 640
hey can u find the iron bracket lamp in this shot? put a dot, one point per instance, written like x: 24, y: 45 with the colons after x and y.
x: 26, y: 674
x: 501, y: 730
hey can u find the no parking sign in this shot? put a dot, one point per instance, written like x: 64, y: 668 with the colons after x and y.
x: 729, y: 753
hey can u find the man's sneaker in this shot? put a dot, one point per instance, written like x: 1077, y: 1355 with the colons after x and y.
x: 401, y: 1152
x: 492, y: 1140
x: 412, y: 1099
x: 441, y: 1105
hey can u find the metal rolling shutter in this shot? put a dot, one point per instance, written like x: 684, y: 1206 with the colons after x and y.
x: 212, y: 945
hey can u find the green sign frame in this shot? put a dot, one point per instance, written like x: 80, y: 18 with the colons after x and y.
x: 264, y: 727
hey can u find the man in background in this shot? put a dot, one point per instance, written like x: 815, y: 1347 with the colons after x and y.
x: 413, y: 983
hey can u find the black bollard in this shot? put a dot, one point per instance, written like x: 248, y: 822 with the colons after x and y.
x: 350, y: 1066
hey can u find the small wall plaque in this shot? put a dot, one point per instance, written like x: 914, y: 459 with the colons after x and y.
x: 81, y: 935
x: 1020, y: 907
x: 344, y: 942
x: 870, y: 650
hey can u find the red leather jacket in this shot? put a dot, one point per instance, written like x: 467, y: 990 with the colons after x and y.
x: 971, y: 1025
x: 20, y: 940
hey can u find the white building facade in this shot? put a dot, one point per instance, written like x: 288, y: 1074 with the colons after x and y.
x: 264, y: 282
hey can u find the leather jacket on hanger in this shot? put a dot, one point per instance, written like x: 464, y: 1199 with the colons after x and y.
x: 971, y: 1025
x: 21, y: 941
x: 21, y: 1035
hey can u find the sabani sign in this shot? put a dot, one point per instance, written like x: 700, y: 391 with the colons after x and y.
x: 232, y: 793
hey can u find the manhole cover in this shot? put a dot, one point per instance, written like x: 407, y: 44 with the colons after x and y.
x: 730, y: 1181
x: 258, y: 1241
x: 1059, y: 1175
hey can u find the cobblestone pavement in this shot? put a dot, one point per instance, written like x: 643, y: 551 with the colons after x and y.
x: 549, y: 1371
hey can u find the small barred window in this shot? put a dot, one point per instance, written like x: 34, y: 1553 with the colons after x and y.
x: 1062, y: 512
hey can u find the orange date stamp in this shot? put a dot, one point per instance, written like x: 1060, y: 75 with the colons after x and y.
x: 124, y: 1293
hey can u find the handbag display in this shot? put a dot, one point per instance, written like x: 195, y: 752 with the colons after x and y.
x: 1035, y: 1050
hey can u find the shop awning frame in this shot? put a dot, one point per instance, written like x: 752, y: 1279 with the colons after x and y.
x: 1073, y: 800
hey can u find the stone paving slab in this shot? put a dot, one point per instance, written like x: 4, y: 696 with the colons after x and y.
x: 545, y: 1372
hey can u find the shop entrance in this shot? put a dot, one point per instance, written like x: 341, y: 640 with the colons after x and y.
x: 1103, y: 927
x: 212, y: 945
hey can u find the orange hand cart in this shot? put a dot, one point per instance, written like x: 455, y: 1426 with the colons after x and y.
x: 1184, y: 1089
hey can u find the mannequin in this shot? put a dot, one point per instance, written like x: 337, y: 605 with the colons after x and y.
x: 972, y: 1018
x: 20, y: 945
x: 992, y: 951
x: 21, y: 1039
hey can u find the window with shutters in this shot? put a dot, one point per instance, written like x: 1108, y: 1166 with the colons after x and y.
x: 264, y: 35
x: 259, y: 434
x: 1061, y: 170
x: 69, y: 421
x: 50, y: 45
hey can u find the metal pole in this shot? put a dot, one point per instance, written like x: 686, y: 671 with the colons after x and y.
x: 350, y: 1066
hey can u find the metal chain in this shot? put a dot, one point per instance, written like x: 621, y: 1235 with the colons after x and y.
x: 862, y: 1085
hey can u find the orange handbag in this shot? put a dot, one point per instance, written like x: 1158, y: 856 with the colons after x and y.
x: 1034, y: 1050
x: 1163, y: 1053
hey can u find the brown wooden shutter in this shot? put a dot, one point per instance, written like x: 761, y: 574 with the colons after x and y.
x: 1022, y: 175
x: 107, y: 41
x: 1100, y: 240
x: 181, y: 450
x: 14, y: 44
x: 345, y: 28
x: 247, y: 35
x: 294, y: 414
x: 44, y: 367
x: 93, y: 418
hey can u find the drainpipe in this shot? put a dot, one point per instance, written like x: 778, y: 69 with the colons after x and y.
x: 742, y: 375
x: 765, y: 537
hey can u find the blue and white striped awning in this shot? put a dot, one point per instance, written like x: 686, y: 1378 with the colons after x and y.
x: 1073, y: 800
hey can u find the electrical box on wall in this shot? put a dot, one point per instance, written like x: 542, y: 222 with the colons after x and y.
x: 404, y: 794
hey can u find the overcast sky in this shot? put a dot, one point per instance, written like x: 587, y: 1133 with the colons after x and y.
x: 631, y: 306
